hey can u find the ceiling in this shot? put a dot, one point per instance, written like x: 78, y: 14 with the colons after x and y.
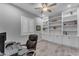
x: 30, y: 7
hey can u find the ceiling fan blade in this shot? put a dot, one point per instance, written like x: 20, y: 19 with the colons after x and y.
x: 39, y: 8
x: 49, y: 10
x: 46, y: 4
x: 42, y: 4
x: 52, y: 5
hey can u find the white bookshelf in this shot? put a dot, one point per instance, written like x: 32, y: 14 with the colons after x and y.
x: 45, y: 25
x: 65, y: 24
x: 67, y: 28
x: 55, y: 25
x: 70, y: 21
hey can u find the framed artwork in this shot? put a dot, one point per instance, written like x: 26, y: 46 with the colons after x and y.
x: 38, y: 28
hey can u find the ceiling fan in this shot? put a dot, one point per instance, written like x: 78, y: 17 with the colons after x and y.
x: 46, y: 7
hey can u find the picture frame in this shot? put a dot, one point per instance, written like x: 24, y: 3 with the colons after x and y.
x: 38, y: 28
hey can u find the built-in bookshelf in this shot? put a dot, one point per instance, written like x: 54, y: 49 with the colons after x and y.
x: 55, y: 25
x: 45, y: 25
x: 64, y: 28
x: 66, y: 23
x: 70, y: 21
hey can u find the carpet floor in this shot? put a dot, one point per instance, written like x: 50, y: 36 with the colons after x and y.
x: 46, y: 48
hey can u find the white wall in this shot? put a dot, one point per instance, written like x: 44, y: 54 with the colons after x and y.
x: 39, y: 22
x: 10, y: 22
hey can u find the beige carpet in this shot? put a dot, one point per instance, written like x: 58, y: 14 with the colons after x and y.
x: 45, y: 48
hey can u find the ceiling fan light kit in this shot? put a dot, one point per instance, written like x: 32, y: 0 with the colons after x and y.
x: 45, y: 9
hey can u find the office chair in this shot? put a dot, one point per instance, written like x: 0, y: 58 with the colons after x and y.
x: 31, y: 45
